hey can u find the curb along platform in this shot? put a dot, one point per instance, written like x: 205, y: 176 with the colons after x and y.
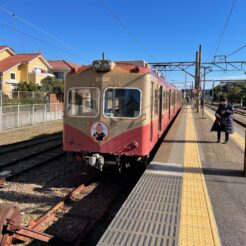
x: 187, y: 194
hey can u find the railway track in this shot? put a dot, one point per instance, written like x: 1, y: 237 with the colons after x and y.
x: 70, y: 219
x: 240, y: 110
x: 9, y: 148
x: 34, y: 228
x: 10, y: 175
x: 238, y: 117
x: 35, y: 155
x: 67, y: 221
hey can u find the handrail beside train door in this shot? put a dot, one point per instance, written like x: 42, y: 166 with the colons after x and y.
x: 169, y: 105
x: 160, y: 109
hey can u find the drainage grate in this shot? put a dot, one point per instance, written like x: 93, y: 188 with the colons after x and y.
x: 150, y: 215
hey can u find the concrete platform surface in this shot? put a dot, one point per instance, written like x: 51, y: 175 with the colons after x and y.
x: 192, y: 193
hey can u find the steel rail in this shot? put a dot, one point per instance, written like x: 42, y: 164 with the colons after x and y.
x: 24, y: 158
x: 30, y: 144
x: 36, y: 165
x: 36, y: 226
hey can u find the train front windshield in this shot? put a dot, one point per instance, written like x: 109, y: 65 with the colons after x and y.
x: 83, y: 102
x: 122, y: 102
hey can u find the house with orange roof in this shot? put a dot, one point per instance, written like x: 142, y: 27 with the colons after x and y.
x: 61, y: 68
x: 16, y: 68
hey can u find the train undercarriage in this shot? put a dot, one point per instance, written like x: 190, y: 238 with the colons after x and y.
x: 102, y: 162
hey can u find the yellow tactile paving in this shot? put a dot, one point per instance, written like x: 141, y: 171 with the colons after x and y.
x: 197, y: 223
x: 235, y: 136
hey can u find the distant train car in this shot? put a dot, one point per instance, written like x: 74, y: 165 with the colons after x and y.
x: 115, y: 112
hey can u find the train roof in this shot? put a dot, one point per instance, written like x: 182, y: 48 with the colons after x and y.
x: 129, y: 65
x: 141, y: 63
x: 144, y: 64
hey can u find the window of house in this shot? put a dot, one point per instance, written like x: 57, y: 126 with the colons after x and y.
x: 122, y: 102
x: 12, y: 76
x: 83, y: 102
x: 59, y: 75
x: 37, y: 70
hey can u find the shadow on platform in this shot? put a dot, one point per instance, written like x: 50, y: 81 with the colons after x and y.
x: 187, y: 141
x: 206, y: 171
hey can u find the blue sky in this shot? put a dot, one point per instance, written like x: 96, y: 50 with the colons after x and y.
x: 169, y: 30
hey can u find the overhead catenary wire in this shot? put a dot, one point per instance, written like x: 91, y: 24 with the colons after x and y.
x: 221, y: 36
x: 44, y: 32
x: 40, y: 40
x: 109, y: 9
x: 237, y: 50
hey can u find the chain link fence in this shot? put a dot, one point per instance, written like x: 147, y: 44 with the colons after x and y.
x: 23, y: 115
x: 23, y: 108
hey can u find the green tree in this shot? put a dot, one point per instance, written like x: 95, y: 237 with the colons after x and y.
x: 235, y: 92
x: 52, y: 85
x: 24, y: 86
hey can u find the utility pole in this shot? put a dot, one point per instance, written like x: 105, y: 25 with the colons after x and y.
x: 198, y: 77
x: 203, y: 91
x: 195, y: 94
x: 213, y: 93
x: 191, y: 92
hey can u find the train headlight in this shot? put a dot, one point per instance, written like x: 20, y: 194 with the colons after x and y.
x: 103, y: 65
x: 97, y: 65
x: 106, y: 65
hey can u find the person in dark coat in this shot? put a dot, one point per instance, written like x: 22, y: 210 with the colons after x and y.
x: 224, y: 120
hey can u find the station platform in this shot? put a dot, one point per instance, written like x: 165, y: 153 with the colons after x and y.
x: 192, y: 193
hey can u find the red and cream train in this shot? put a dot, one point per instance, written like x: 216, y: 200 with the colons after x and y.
x: 115, y: 112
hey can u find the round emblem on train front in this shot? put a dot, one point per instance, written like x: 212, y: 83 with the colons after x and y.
x: 99, y: 131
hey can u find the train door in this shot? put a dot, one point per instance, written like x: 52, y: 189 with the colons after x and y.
x: 174, y: 99
x: 160, y: 109
x: 169, y: 103
x: 151, y: 111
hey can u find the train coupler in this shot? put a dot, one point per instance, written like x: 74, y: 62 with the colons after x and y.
x: 96, y: 161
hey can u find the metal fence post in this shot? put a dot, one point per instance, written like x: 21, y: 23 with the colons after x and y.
x: 18, y: 115
x: 33, y: 114
x: 244, y: 171
x: 45, y: 112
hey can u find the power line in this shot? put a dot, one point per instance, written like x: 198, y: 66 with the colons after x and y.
x: 235, y: 51
x: 220, y: 38
x: 40, y: 40
x: 109, y: 9
x: 226, y: 24
x: 42, y: 31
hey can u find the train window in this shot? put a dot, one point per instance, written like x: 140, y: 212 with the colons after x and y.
x: 173, y: 97
x: 83, y: 102
x: 165, y: 100
x: 156, y: 102
x: 121, y: 102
